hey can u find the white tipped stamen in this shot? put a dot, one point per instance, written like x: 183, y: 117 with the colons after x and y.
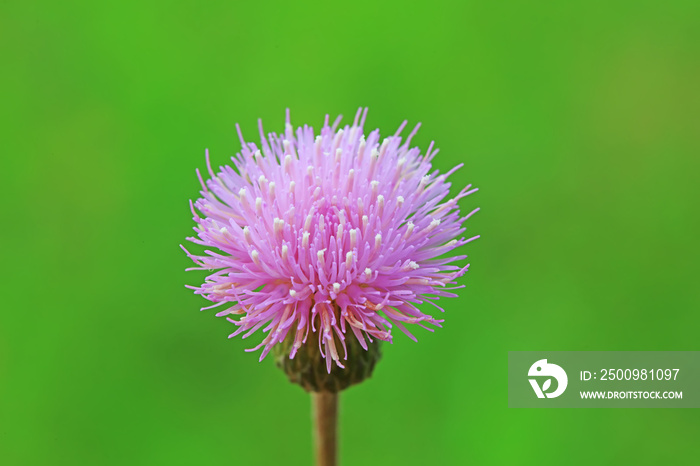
x: 317, y: 146
x: 336, y: 288
x: 262, y: 184
x: 258, y: 205
x: 368, y: 273
x: 278, y: 226
x: 292, y: 185
x: 373, y: 162
x: 292, y: 293
x: 338, y: 153
x: 321, y: 256
x: 418, y: 281
x: 423, y: 183
x: 399, y: 201
x: 307, y: 222
x: 287, y: 162
x: 353, y: 238
x: 380, y: 205
x: 285, y: 252
x: 385, y: 144
x: 434, y: 224
x: 255, y: 256
x: 409, y: 230
x: 361, y: 148
x: 378, y: 240
x: 321, y: 223
x: 351, y: 179
x: 338, y: 137
x: 272, y: 191
x: 339, y: 232
x: 348, y: 260
x: 305, y: 240
x: 365, y: 221
x: 246, y: 234
x: 445, y: 206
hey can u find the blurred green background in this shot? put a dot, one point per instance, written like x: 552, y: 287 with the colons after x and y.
x: 579, y: 121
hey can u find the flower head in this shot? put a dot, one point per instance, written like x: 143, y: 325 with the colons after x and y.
x: 324, y: 236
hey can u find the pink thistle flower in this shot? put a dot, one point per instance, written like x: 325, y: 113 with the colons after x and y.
x: 321, y: 235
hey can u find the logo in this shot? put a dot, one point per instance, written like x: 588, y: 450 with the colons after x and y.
x: 543, y: 369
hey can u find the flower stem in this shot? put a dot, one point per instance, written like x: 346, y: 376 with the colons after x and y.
x: 325, y: 419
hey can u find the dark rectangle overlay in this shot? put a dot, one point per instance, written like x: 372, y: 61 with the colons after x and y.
x: 604, y: 379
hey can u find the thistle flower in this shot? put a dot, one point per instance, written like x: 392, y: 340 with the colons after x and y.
x: 327, y: 237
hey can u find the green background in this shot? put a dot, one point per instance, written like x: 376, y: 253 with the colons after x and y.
x: 579, y: 121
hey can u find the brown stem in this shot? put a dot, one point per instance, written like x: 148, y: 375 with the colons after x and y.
x: 325, y: 419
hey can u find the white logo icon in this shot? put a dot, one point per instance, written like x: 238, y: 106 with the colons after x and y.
x: 542, y: 368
